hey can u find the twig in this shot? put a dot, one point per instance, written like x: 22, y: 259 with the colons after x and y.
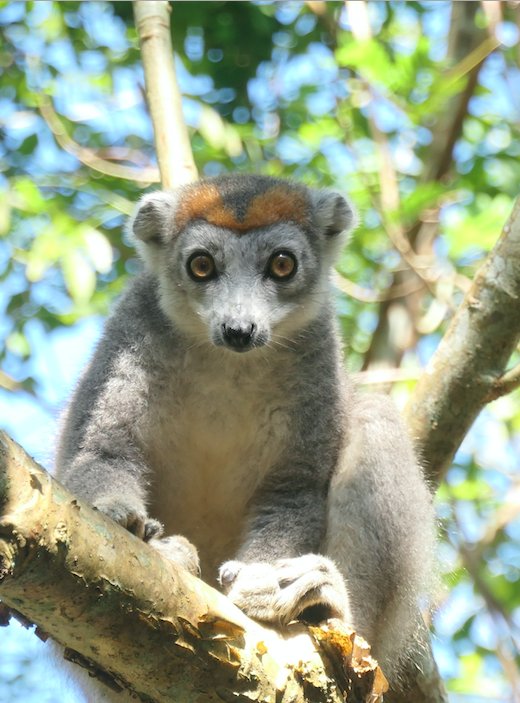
x: 410, y: 245
x: 88, y: 156
x: 390, y: 200
x: 9, y: 383
x: 494, y: 14
x: 384, y: 376
x: 117, y: 202
x: 368, y: 295
x: 508, y: 382
x: 499, y: 617
x: 467, y: 54
x: 327, y: 21
x: 172, y: 143
x: 507, y: 511
x: 388, y: 182
x: 419, y: 265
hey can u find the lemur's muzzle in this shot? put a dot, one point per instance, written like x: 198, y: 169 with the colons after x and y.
x: 239, y: 336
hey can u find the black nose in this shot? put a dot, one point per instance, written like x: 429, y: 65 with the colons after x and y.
x: 238, y: 335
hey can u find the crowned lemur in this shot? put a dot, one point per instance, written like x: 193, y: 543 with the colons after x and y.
x: 216, y: 407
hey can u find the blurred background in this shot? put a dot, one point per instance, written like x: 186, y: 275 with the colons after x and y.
x: 412, y: 108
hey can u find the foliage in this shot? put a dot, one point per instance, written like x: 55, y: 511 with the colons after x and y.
x: 287, y: 89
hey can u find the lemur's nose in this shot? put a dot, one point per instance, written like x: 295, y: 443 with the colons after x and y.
x: 238, y: 335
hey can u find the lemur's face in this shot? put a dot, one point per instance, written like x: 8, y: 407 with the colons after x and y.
x: 242, y: 261
x: 243, y: 291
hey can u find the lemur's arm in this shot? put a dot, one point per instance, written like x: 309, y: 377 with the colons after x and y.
x: 100, y: 460
x: 99, y: 457
x: 287, y: 514
x: 278, y: 574
x: 287, y: 518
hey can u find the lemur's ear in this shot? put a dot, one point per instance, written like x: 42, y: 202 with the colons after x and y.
x: 153, y: 220
x: 333, y: 214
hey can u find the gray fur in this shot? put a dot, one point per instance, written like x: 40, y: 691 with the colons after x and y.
x: 303, y: 491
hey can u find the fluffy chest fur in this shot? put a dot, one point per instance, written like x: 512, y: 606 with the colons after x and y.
x: 215, y: 426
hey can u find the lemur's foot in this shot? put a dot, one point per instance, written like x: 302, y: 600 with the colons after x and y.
x: 308, y: 588
x: 179, y: 550
x: 252, y: 587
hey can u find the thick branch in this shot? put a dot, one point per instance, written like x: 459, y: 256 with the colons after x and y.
x: 96, y: 588
x: 463, y: 373
x: 172, y: 143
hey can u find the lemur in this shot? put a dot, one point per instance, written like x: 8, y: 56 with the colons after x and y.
x: 216, y: 410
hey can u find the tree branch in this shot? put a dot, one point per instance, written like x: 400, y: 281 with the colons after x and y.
x: 172, y: 141
x: 507, y: 383
x: 468, y: 48
x: 468, y: 366
x: 369, y: 295
x: 88, y: 156
x: 466, y: 53
x: 86, y: 581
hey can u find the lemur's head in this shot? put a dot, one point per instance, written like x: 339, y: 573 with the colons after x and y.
x: 242, y: 259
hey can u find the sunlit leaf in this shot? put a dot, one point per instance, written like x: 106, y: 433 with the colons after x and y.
x: 370, y: 58
x: 99, y: 250
x: 79, y: 276
x: 470, y: 230
x: 5, y: 214
x: 18, y: 344
x: 26, y: 196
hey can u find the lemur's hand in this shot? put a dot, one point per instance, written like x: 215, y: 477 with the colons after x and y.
x: 308, y: 588
x: 131, y: 514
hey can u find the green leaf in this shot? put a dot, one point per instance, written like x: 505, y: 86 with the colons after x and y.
x: 313, y: 133
x: 5, y: 214
x: 98, y: 249
x: 480, y: 227
x: 25, y: 195
x: 370, y: 59
x: 18, y: 344
x: 471, y: 490
x: 28, y: 145
x: 79, y: 276
x: 424, y: 196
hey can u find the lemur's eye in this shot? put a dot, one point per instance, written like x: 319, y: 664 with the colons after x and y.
x: 282, y: 265
x: 201, y: 266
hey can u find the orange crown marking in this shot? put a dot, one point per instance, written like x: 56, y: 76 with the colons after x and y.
x: 276, y: 204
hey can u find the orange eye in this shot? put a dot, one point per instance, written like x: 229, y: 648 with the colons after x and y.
x: 201, y: 266
x: 282, y: 265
